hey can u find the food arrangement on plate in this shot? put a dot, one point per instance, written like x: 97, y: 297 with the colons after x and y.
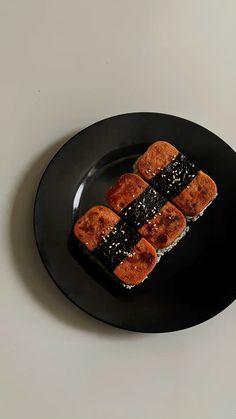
x: 113, y: 202
x: 144, y: 220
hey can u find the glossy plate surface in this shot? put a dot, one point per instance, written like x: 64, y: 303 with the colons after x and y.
x: 193, y: 282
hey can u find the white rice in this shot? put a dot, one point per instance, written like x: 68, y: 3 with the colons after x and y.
x: 195, y: 218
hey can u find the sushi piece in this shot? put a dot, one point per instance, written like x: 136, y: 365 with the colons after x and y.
x: 122, y: 251
x: 156, y: 219
x: 177, y: 178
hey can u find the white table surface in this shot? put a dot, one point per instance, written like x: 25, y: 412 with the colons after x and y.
x: 64, y: 65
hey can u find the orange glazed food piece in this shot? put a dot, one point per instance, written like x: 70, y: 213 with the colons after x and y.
x: 129, y: 256
x: 174, y: 176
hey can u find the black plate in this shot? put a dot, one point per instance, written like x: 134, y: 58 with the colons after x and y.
x: 193, y: 282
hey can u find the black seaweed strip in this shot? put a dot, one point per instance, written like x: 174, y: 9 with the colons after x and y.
x: 117, y: 245
x: 171, y: 180
x: 143, y: 208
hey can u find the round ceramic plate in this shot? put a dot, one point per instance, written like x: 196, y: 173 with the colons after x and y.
x: 190, y: 284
